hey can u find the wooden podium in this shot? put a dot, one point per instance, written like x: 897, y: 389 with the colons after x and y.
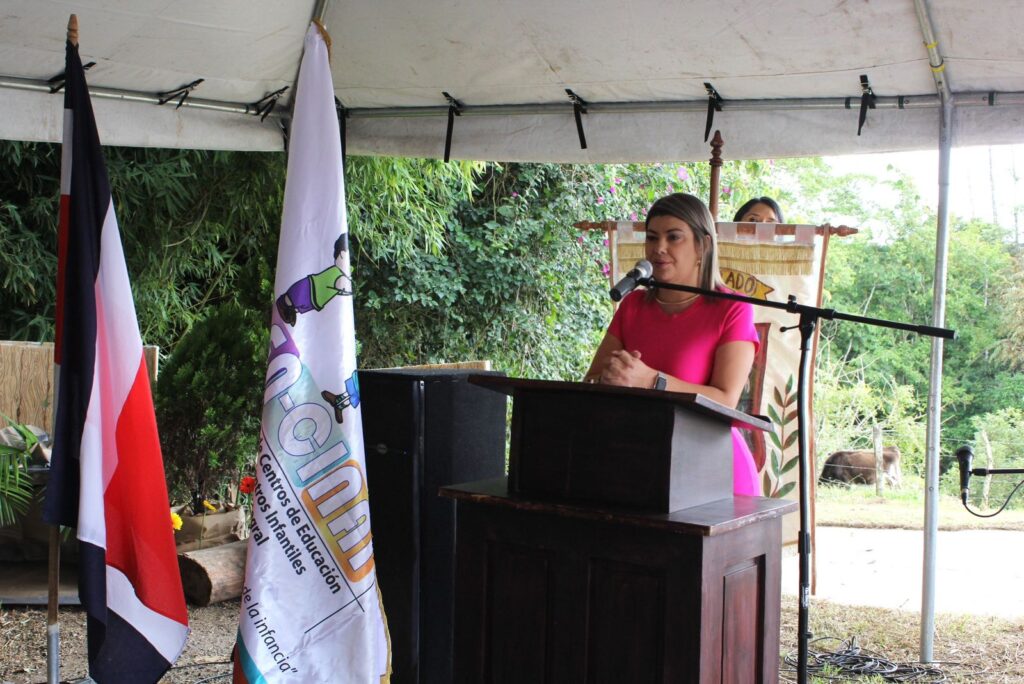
x: 641, y: 449
x: 562, y: 576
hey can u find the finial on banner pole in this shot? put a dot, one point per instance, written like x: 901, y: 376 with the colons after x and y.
x: 716, y: 170
x: 73, y: 30
x: 324, y: 34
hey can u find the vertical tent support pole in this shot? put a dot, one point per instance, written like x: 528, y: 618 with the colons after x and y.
x: 933, y: 441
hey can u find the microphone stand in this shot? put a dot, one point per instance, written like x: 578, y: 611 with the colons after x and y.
x: 964, y: 458
x: 809, y: 316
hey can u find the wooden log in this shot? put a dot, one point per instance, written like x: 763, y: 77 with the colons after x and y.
x: 213, y: 574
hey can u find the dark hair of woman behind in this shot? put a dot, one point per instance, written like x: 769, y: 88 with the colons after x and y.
x: 767, y: 201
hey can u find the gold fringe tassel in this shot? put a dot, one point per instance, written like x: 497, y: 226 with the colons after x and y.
x: 767, y: 259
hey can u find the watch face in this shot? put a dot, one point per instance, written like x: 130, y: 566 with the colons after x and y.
x: 661, y: 382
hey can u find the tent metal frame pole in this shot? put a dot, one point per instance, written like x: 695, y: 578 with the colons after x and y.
x: 16, y: 83
x: 320, y: 10
x: 966, y: 99
x: 933, y: 440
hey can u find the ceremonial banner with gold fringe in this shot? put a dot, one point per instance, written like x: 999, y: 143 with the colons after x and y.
x: 771, y: 262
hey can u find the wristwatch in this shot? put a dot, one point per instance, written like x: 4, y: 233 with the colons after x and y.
x: 660, y: 382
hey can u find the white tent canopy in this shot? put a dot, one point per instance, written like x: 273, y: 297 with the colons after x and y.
x: 786, y: 72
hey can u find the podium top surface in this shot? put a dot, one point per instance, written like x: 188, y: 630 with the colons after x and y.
x: 717, y: 517
x: 691, y: 401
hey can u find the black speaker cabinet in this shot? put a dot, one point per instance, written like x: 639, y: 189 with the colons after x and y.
x: 423, y: 429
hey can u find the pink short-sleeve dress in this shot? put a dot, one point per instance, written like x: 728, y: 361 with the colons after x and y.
x: 683, y: 345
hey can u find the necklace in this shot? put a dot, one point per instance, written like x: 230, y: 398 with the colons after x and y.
x: 681, y: 301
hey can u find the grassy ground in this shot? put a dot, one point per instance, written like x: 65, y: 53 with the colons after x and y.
x: 858, y: 506
x: 967, y: 648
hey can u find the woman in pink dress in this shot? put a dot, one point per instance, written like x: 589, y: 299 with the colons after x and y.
x: 681, y: 341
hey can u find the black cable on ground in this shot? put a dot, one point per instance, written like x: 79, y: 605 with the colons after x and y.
x: 850, y: 662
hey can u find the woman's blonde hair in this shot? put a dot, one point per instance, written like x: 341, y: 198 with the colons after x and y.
x: 688, y: 208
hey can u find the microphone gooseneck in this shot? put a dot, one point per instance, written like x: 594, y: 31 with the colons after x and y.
x: 643, y: 269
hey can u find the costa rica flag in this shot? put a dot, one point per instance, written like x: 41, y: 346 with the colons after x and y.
x: 107, y: 475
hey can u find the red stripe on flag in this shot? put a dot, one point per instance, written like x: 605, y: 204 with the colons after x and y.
x: 140, y: 542
x: 62, y: 255
x: 237, y: 674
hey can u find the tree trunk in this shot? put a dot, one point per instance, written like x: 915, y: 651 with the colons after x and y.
x: 988, y: 464
x: 213, y: 574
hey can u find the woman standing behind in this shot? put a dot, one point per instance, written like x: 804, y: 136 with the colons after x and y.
x: 681, y: 341
x: 759, y: 210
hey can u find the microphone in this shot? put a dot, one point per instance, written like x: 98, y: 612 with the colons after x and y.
x: 964, y: 457
x: 643, y: 269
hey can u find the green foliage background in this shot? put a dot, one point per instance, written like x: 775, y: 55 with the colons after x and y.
x: 473, y: 260
x: 209, y: 400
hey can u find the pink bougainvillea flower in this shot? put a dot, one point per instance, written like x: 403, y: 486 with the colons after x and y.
x: 632, y: 216
x: 618, y: 181
x: 611, y: 190
x: 605, y: 268
x: 726, y: 190
x: 515, y: 194
x: 682, y: 174
x: 600, y: 199
x: 605, y: 242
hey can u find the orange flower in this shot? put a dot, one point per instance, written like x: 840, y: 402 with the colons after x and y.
x: 247, y: 485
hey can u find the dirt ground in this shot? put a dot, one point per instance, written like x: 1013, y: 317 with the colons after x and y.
x: 23, y: 645
x: 868, y: 586
x: 973, y: 649
x: 977, y: 572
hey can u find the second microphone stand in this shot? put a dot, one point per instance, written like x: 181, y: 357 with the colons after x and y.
x: 808, y: 322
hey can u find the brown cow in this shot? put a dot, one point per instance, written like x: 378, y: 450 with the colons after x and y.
x: 852, y: 467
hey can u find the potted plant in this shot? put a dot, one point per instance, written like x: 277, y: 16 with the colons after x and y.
x: 16, y: 445
x: 208, y: 404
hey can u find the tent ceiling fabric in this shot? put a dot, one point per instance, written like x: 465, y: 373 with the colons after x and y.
x: 404, y: 53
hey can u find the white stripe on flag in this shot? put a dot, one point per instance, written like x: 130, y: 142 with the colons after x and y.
x: 92, y: 527
x: 65, y: 152
x: 166, y: 635
x: 118, y: 332
x: 118, y: 354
